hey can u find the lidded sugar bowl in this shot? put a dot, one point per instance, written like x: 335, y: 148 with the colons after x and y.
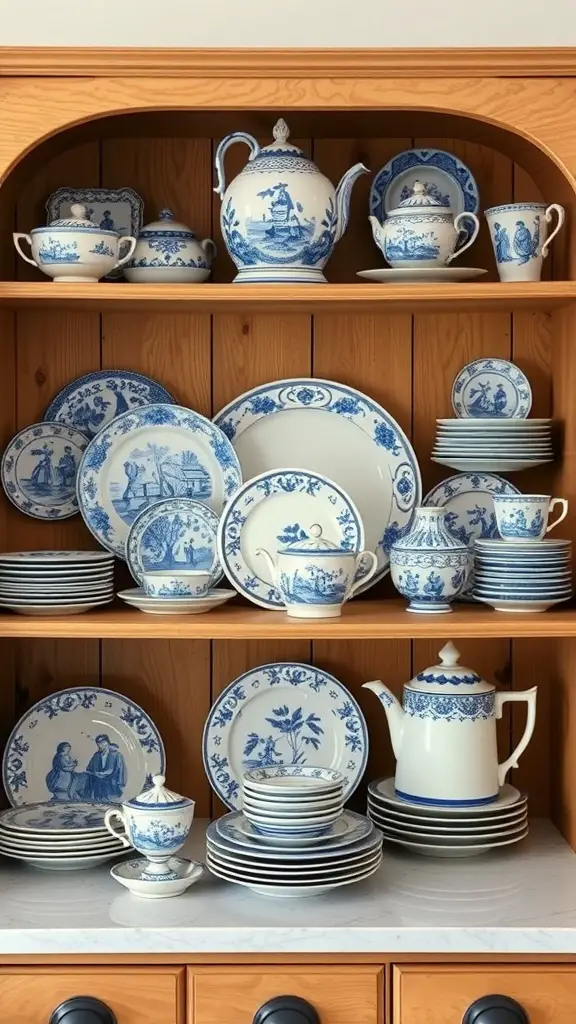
x: 168, y: 251
x: 423, y: 231
x: 157, y: 823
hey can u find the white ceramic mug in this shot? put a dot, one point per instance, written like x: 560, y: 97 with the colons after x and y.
x: 522, y: 517
x: 519, y: 237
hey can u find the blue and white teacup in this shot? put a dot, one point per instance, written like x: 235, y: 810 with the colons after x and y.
x: 156, y: 823
x: 177, y: 583
x: 519, y: 235
x: 522, y: 517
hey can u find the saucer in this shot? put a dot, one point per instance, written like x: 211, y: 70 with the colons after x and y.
x: 176, y: 605
x: 433, y: 275
x: 133, y: 875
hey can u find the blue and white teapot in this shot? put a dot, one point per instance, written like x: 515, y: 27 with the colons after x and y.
x: 281, y: 217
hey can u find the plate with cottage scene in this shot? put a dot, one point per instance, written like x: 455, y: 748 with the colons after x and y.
x: 337, y: 432
x: 112, y: 209
x: 39, y: 470
x: 283, y: 713
x: 491, y: 388
x: 276, y: 509
x: 84, y: 744
x: 142, y: 457
x: 469, y: 502
x: 90, y: 402
x: 178, y: 533
x: 445, y: 177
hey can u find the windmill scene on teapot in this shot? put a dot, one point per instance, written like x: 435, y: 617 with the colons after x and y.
x: 281, y: 219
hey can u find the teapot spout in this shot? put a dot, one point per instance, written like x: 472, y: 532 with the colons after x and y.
x: 394, y: 712
x: 269, y: 562
x: 343, y: 193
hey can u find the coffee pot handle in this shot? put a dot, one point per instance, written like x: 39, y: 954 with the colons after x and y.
x: 529, y: 696
x: 548, y: 215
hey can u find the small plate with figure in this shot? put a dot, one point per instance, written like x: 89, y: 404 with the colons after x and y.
x: 39, y: 469
x: 446, y: 177
x: 178, y: 533
x: 90, y: 402
x: 491, y: 389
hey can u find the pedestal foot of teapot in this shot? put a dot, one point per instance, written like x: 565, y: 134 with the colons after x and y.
x: 429, y: 609
x: 279, y: 275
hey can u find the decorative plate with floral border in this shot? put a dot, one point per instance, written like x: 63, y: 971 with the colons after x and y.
x: 283, y: 713
x: 178, y: 533
x: 141, y: 457
x: 39, y: 469
x: 273, y: 510
x: 333, y: 430
x: 84, y: 744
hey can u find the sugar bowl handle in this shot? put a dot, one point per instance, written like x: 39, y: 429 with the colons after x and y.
x: 495, y: 1010
x: 286, y: 1010
x: 82, y: 1010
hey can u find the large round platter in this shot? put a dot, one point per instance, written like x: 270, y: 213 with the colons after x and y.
x: 283, y: 713
x: 178, y: 533
x: 491, y: 388
x: 339, y: 433
x: 140, y: 458
x: 90, y: 402
x: 56, y: 750
x: 445, y: 176
x: 272, y: 510
x: 225, y: 834
x: 39, y: 468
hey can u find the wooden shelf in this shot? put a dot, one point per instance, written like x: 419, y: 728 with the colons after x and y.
x: 362, y: 620
x: 361, y: 297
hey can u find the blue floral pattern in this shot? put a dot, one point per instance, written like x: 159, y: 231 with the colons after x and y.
x: 90, y: 402
x: 456, y: 708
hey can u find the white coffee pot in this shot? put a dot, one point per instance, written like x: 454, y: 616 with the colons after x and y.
x: 444, y: 734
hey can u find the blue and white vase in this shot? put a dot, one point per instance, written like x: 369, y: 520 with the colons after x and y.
x: 156, y: 823
x: 281, y: 217
x: 423, y: 231
x: 430, y: 566
x: 167, y: 251
x: 74, y: 248
x: 315, y: 577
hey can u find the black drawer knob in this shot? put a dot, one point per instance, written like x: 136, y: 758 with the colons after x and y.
x: 82, y: 1010
x: 286, y: 1010
x: 495, y: 1010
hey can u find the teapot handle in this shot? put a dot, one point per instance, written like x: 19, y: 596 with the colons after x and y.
x: 252, y: 144
x: 460, y: 225
x: 530, y: 697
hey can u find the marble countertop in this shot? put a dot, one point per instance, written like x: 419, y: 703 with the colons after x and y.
x: 519, y: 900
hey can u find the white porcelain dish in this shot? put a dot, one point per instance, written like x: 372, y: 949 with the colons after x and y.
x: 177, y: 605
x: 303, y: 874
x: 431, y: 824
x: 66, y: 863
x: 47, y: 820
x: 353, y: 834
x: 383, y: 791
x: 439, y: 838
x: 431, y: 850
x: 133, y: 876
x: 76, y: 559
x: 39, y: 469
x: 53, y: 610
x: 491, y: 388
x: 428, y: 275
x: 501, y: 604
x: 489, y: 465
x: 291, y: 808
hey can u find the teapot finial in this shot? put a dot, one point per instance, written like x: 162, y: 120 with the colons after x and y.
x: 166, y: 214
x: 316, y: 530
x: 449, y: 655
x: 158, y: 781
x: 281, y: 131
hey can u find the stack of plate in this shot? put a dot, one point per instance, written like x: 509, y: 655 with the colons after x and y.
x: 523, y: 576
x: 293, y: 801
x: 237, y: 853
x: 493, y: 445
x: 437, y: 831
x: 55, y: 582
x: 58, y: 836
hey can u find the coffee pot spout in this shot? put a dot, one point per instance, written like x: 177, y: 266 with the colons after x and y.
x: 394, y: 712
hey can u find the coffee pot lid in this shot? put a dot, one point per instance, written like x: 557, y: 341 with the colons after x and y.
x: 421, y: 199
x: 166, y: 224
x: 449, y: 676
x: 304, y: 543
x: 78, y: 219
x: 158, y: 796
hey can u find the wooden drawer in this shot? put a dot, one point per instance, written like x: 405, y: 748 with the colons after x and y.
x: 441, y: 995
x: 342, y: 995
x: 138, y: 995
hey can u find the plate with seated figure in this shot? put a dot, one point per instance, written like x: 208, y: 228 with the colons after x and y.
x: 39, y: 469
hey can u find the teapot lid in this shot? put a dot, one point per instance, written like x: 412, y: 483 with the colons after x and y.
x: 303, y: 544
x: 421, y: 199
x: 449, y: 675
x: 281, y: 133
x: 166, y: 224
x: 158, y: 797
x: 79, y: 219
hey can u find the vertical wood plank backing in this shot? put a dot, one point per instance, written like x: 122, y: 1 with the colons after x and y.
x: 171, y: 681
x: 7, y: 427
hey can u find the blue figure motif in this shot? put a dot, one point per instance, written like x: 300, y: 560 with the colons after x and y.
x: 101, y: 249
x: 61, y: 779
x: 434, y: 585
x: 102, y: 781
x: 483, y: 405
x: 502, y: 244
x: 66, y: 469
x: 107, y: 222
x: 525, y: 244
x: 174, y: 541
x: 42, y: 475
x: 516, y: 524
x: 155, y: 472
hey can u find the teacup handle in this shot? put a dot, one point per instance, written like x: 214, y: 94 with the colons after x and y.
x: 17, y: 236
x: 546, y: 246
x: 460, y: 225
x: 563, y: 514
x: 131, y: 246
x: 113, y: 813
x: 210, y: 249
x: 360, y: 580
x: 194, y: 870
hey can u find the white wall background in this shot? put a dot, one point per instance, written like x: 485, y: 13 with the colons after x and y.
x: 318, y: 23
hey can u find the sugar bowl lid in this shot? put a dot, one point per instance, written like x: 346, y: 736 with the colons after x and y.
x: 157, y: 797
x: 421, y: 199
x: 79, y: 219
x: 449, y: 676
x: 167, y: 225
x: 315, y: 542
